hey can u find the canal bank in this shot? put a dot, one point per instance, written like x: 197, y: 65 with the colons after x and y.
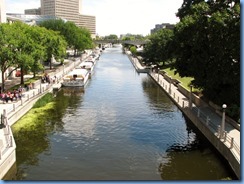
x: 206, y: 119
x: 11, y: 112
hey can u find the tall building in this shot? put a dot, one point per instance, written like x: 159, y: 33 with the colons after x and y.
x: 2, y: 11
x: 162, y: 26
x: 71, y: 11
x: 33, y: 11
x: 88, y: 22
x: 61, y: 8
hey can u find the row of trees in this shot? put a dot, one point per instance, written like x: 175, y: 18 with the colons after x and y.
x: 26, y: 47
x: 205, y: 45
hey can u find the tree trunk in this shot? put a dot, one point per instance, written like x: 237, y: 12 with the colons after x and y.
x: 50, y: 62
x: 22, y: 75
x: 3, y: 82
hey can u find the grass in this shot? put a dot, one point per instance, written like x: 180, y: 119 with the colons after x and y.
x: 37, y: 115
x: 185, y: 81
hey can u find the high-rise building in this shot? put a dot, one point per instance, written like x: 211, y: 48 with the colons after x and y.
x: 71, y: 11
x: 162, y: 26
x: 2, y: 11
x: 61, y: 8
x: 33, y: 11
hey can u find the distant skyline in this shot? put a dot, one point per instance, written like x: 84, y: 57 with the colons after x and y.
x: 117, y: 16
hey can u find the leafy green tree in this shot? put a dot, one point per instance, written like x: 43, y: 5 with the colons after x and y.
x: 8, y: 46
x: 55, y: 46
x: 111, y: 37
x: 133, y: 50
x: 157, y: 50
x: 207, y: 48
x: 77, y: 38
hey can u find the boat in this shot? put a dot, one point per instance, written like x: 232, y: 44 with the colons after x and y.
x: 70, y: 91
x: 89, y: 65
x: 76, y: 78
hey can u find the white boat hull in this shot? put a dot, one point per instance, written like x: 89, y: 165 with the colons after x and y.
x: 70, y: 81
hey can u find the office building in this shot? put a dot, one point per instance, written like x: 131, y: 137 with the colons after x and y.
x: 2, y: 11
x: 71, y: 11
x: 33, y: 11
x: 162, y: 26
x: 88, y: 22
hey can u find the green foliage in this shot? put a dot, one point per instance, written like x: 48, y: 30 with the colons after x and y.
x: 133, y: 50
x: 77, y: 38
x: 111, y: 37
x: 207, y: 48
x: 43, y: 101
x: 159, y: 46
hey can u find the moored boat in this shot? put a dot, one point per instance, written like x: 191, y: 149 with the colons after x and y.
x: 76, y: 78
x: 87, y: 65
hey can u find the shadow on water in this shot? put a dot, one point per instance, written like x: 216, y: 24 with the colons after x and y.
x: 204, y: 160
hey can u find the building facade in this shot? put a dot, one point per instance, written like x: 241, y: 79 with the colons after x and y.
x: 162, y: 26
x: 2, y: 11
x: 33, y: 11
x: 70, y: 10
x: 88, y: 22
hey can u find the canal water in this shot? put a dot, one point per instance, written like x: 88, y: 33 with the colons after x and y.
x: 122, y: 126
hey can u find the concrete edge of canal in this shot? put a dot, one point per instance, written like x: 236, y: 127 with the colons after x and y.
x: 178, y: 97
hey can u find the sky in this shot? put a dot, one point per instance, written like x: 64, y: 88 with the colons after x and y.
x: 117, y: 16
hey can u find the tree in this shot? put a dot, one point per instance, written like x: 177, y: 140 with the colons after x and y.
x: 77, y: 38
x: 8, y: 45
x: 207, y: 48
x: 157, y: 50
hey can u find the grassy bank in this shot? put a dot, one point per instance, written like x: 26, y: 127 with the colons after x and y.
x: 37, y: 115
x: 185, y: 81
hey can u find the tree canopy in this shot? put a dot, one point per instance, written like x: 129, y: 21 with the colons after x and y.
x: 205, y: 45
x: 25, y: 47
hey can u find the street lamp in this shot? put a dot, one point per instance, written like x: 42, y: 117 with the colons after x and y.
x: 63, y: 68
x: 170, y: 85
x: 158, y: 74
x: 224, y: 106
x: 190, y: 99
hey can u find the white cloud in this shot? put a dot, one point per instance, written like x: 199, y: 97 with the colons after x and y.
x: 117, y: 16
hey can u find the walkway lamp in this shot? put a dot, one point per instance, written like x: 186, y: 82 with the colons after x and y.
x: 63, y: 68
x: 158, y: 74
x: 170, y: 79
x: 224, y: 106
x: 190, y: 98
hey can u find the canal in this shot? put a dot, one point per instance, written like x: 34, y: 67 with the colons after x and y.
x: 122, y: 126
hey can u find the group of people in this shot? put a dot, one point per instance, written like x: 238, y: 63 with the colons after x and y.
x: 11, y: 95
x: 48, y: 79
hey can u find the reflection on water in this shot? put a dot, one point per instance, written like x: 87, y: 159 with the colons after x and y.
x: 121, y: 127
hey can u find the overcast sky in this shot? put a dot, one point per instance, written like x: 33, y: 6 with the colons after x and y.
x: 117, y: 16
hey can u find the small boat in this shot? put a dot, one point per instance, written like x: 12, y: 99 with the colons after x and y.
x: 89, y: 65
x: 76, y: 78
x: 70, y: 91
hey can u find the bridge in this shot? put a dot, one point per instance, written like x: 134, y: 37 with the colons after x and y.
x: 129, y: 42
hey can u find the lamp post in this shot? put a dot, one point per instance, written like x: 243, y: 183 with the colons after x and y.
x: 158, y: 74
x: 190, y: 99
x: 170, y: 85
x: 224, y: 106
